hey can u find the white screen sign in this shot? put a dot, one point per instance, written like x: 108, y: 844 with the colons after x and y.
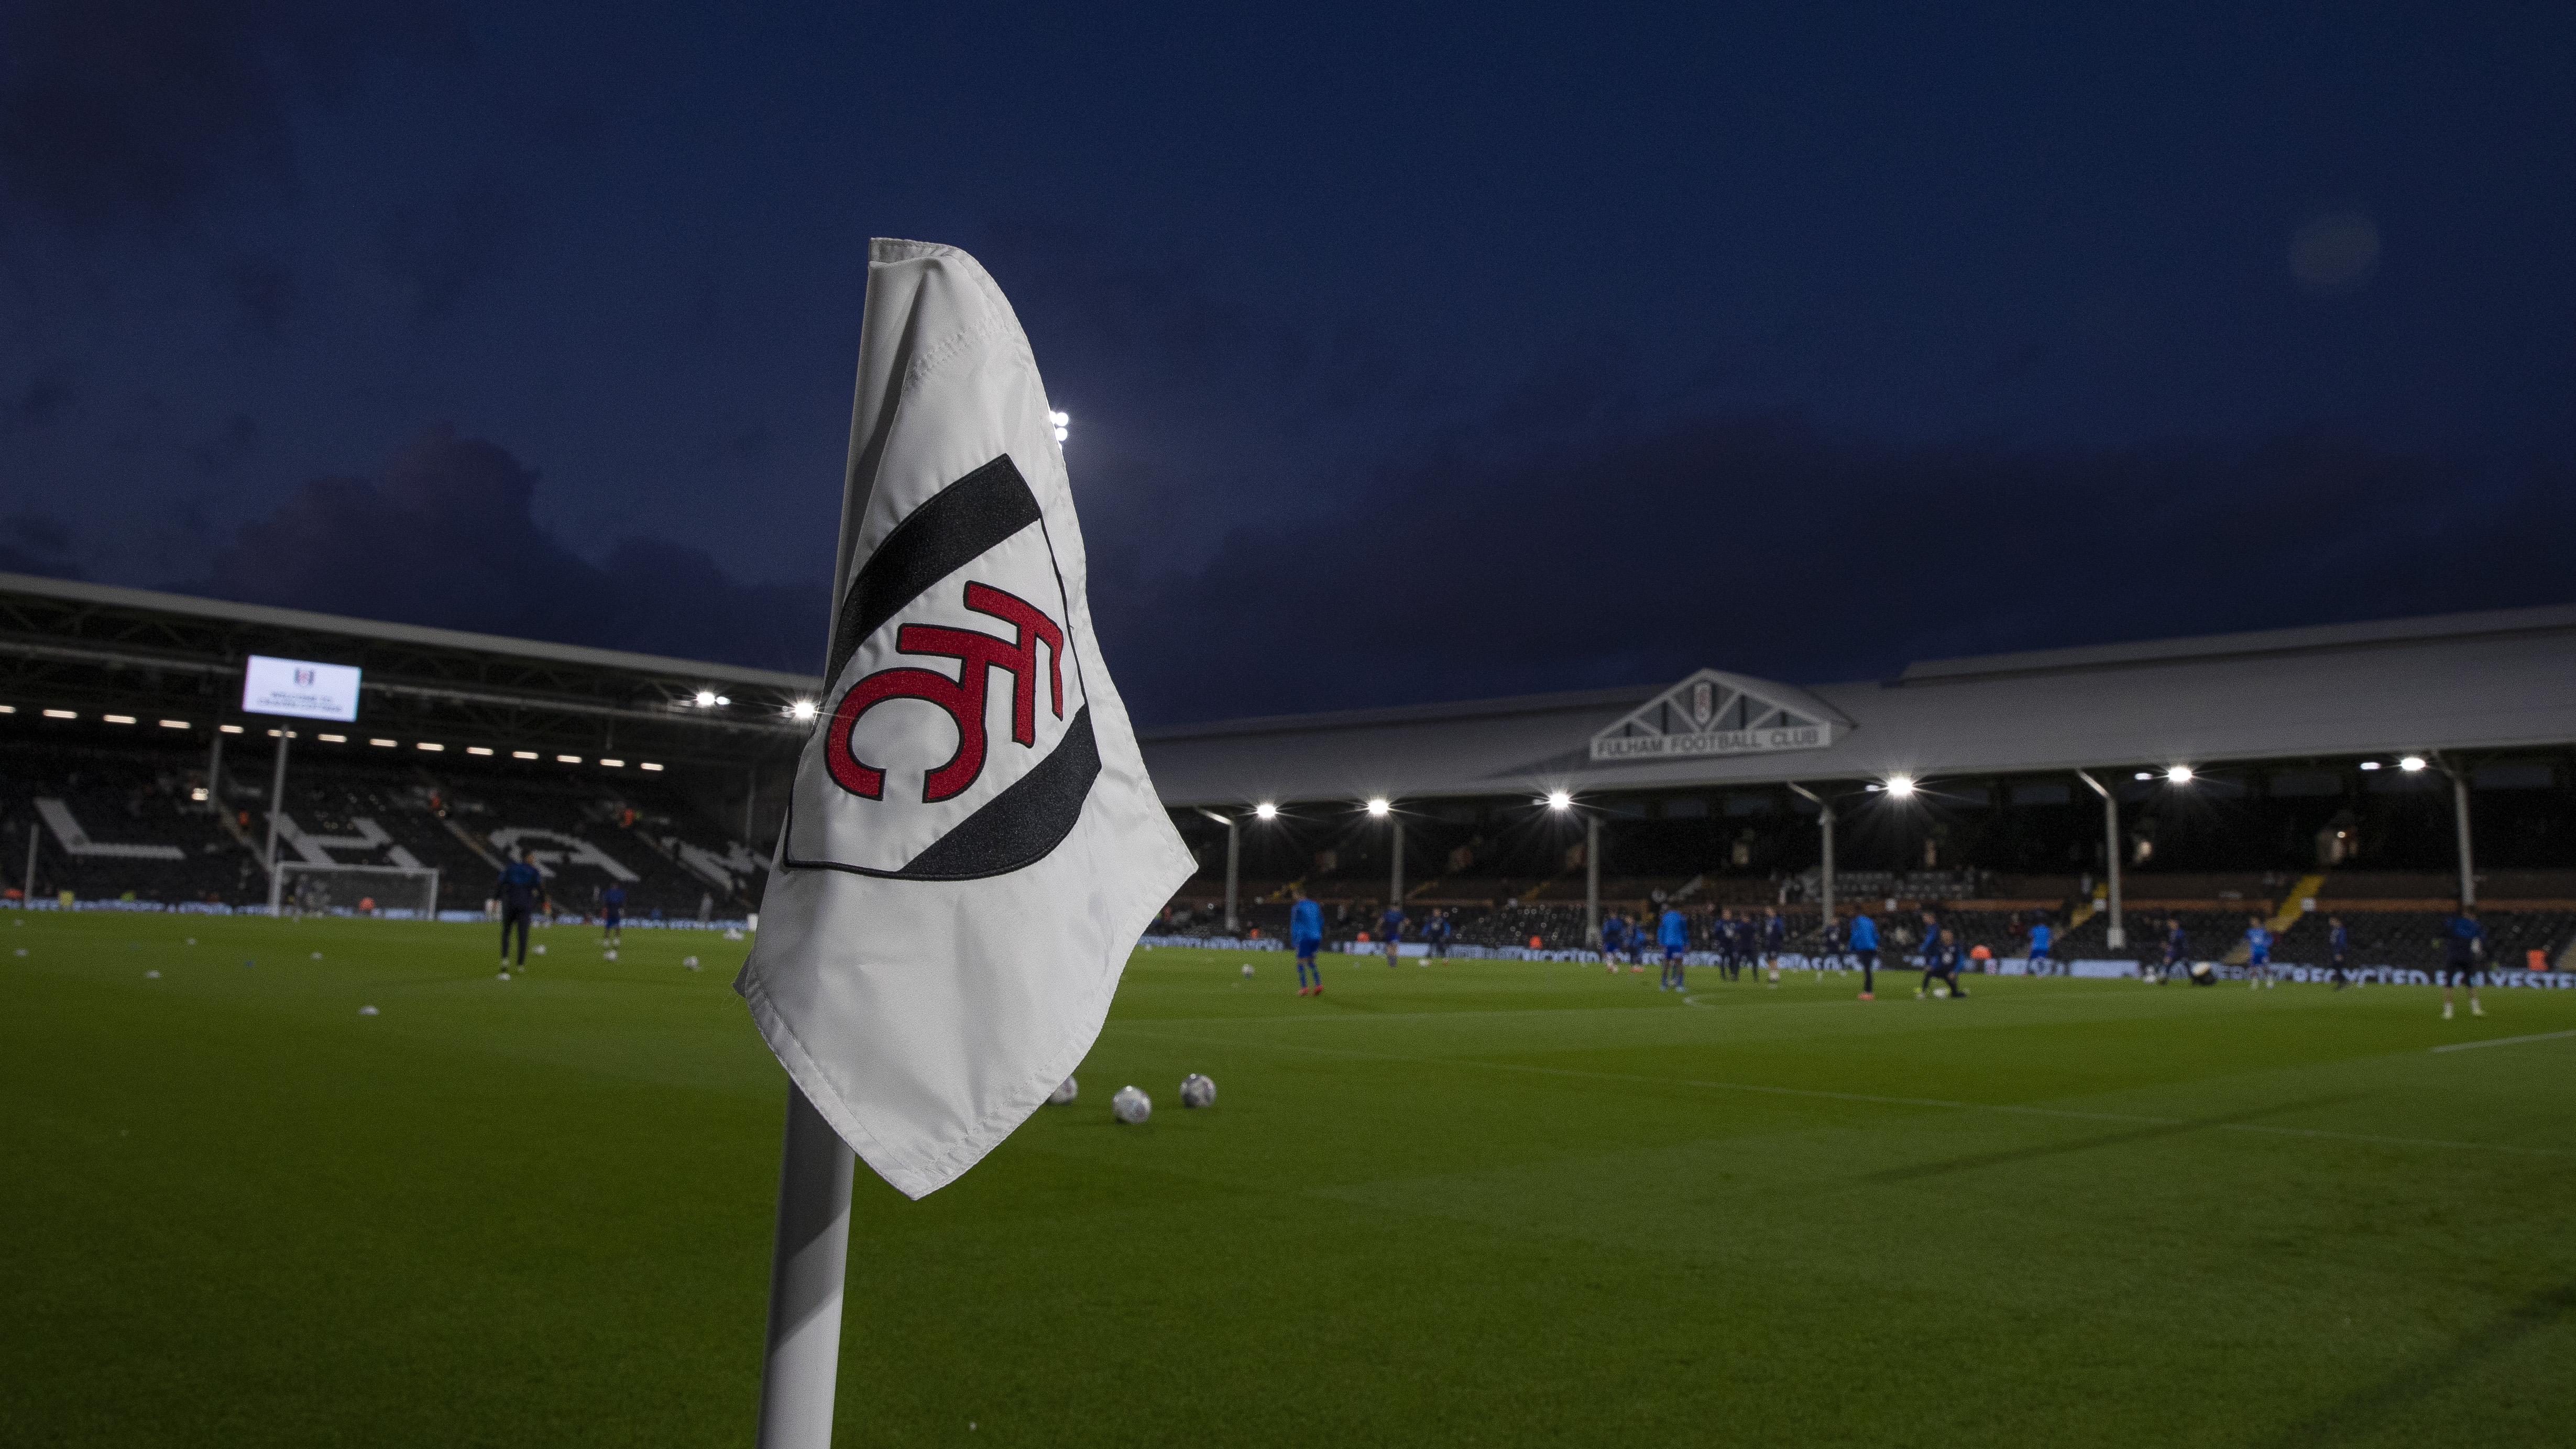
x: 300, y: 688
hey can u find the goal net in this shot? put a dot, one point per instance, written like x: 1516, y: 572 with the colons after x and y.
x: 357, y: 889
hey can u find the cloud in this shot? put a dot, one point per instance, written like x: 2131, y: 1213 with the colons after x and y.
x: 447, y: 537
x: 1626, y: 549
x: 144, y: 114
x: 437, y: 254
x: 36, y: 543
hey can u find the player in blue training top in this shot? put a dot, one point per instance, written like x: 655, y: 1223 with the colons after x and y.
x: 612, y: 914
x: 1306, y: 937
x: 2258, y: 953
x: 1438, y: 932
x: 1864, y: 946
x: 1390, y: 925
x: 1673, y: 934
x: 522, y: 889
x: 1775, y: 941
x: 2464, y: 953
x: 2039, y: 939
x: 1614, y: 939
x: 2338, y: 950
x: 2177, y: 947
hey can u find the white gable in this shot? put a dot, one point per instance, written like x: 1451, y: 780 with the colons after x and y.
x: 1715, y: 713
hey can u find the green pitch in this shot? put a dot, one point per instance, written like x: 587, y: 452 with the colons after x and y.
x: 1472, y: 1203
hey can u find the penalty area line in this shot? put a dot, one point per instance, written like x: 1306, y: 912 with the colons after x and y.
x: 2463, y: 1046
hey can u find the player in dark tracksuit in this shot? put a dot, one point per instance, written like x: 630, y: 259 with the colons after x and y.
x: 2464, y: 952
x: 2177, y: 947
x: 522, y: 889
x: 1941, y: 963
x: 1775, y: 941
x: 2337, y: 951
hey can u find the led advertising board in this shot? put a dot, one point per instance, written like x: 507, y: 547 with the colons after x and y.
x: 299, y: 687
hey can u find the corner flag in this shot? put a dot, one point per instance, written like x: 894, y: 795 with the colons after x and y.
x: 972, y: 846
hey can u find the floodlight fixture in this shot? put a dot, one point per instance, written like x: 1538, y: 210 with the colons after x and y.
x: 1265, y: 811
x: 2178, y: 775
x: 1378, y: 805
x: 1900, y: 787
x: 2370, y: 764
x: 706, y: 699
x: 720, y: 699
x: 1559, y: 800
x: 2411, y: 763
x: 801, y: 711
x: 1062, y: 423
x: 2146, y: 774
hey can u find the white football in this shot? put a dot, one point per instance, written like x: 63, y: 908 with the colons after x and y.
x: 690, y: 961
x: 1197, y: 1091
x: 610, y: 953
x: 1131, y: 1105
x: 1066, y: 1093
x: 1247, y: 968
x: 540, y: 950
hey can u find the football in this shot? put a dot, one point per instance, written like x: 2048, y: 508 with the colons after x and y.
x: 1247, y: 968
x: 1131, y: 1105
x: 1065, y: 1093
x: 1197, y: 1091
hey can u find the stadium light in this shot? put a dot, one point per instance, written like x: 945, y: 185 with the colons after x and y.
x: 801, y: 711
x: 648, y: 764
x: 1377, y: 805
x: 60, y: 714
x: 1061, y: 422
x: 118, y: 718
x: 478, y: 749
x: 706, y: 699
x: 384, y: 744
x: 2370, y: 764
x: 1559, y: 800
x: 1265, y: 811
x: 523, y: 754
x: 174, y: 724
x: 567, y: 759
x: 333, y: 739
x: 2411, y: 763
x: 432, y: 745
x: 720, y: 699
x: 228, y: 729
x: 2178, y: 775
x: 2150, y: 774
x: 1900, y: 787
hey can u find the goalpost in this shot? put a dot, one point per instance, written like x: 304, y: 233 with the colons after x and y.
x: 321, y: 889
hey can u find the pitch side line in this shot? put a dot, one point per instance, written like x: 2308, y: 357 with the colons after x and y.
x: 1934, y: 1102
x: 2462, y: 1046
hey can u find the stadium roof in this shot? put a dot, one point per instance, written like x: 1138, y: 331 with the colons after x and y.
x: 2483, y: 682
x: 73, y: 642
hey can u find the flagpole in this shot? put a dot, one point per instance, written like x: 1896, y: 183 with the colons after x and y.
x: 801, y: 1364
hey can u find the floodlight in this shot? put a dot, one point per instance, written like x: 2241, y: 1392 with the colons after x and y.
x: 2370, y: 764
x: 720, y: 699
x: 1559, y: 800
x: 1873, y: 788
x: 1060, y: 435
x: 1378, y: 805
x: 1900, y: 786
x: 801, y: 711
x: 1265, y: 811
x: 2150, y: 774
x: 2411, y: 763
x: 1059, y: 419
x: 2178, y: 775
x: 706, y: 698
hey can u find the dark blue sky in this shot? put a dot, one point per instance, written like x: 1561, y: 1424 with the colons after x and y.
x: 1412, y: 355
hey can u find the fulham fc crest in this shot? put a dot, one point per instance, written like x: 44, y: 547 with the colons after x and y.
x: 955, y: 741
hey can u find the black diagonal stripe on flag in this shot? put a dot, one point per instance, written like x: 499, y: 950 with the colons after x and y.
x: 937, y: 539
x: 1020, y: 825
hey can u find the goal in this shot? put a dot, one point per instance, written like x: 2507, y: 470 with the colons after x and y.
x: 310, y: 889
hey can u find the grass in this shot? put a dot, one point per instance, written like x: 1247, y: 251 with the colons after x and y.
x: 1475, y: 1203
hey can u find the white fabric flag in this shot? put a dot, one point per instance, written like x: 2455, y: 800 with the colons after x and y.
x: 972, y: 847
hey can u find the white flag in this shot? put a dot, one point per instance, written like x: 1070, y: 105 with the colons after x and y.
x: 972, y: 847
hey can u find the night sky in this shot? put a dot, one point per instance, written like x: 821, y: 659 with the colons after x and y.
x: 1412, y: 354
